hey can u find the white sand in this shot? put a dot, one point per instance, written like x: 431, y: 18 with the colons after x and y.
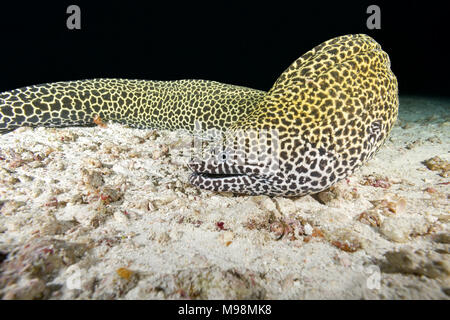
x: 100, y: 213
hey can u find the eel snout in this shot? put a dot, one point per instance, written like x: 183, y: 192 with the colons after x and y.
x: 225, y: 174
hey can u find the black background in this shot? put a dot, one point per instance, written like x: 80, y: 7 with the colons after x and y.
x: 243, y: 43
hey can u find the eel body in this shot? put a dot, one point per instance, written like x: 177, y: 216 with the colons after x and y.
x: 326, y: 115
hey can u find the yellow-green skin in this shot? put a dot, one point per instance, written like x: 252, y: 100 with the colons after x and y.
x: 326, y: 115
x: 138, y: 103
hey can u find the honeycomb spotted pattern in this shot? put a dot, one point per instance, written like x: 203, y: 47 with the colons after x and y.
x: 327, y: 114
x: 138, y: 103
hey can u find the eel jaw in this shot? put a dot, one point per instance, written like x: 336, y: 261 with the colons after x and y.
x: 227, y: 178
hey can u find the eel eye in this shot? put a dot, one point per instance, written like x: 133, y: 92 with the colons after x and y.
x: 223, y: 157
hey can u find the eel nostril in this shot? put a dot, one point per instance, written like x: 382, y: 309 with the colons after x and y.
x: 193, y: 166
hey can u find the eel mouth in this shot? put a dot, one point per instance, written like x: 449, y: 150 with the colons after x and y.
x: 208, y: 171
x: 224, y: 178
x: 225, y: 172
x: 218, y: 175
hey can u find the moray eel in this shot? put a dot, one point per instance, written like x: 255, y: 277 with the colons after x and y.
x: 326, y: 115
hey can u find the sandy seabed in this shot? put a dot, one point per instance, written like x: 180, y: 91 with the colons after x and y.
x: 107, y: 213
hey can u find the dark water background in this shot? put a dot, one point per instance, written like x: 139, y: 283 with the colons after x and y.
x: 249, y: 44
